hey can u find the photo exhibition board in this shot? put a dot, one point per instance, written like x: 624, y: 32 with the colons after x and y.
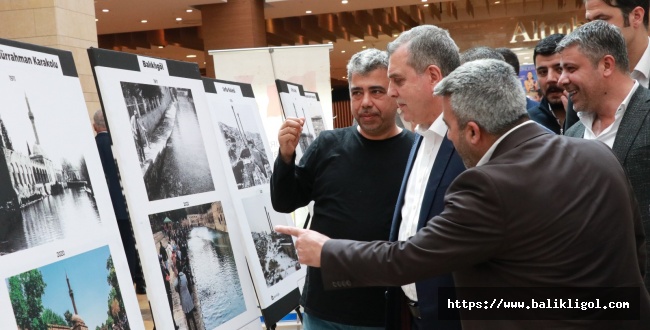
x: 296, y: 105
x: 307, y: 65
x: 183, y: 217
x: 245, y: 154
x: 61, y: 256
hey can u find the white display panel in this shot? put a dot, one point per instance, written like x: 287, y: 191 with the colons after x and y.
x: 182, y: 213
x: 55, y: 208
x: 244, y: 148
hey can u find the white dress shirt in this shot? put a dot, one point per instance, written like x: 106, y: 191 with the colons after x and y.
x: 641, y: 71
x: 608, y: 135
x: 417, y: 183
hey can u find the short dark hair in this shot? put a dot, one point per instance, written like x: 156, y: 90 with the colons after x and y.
x: 626, y: 7
x: 546, y: 46
x: 510, y: 57
x: 480, y: 53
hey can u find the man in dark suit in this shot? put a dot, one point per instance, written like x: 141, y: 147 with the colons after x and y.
x: 510, y: 220
x: 419, y: 59
x: 613, y: 108
x: 103, y: 140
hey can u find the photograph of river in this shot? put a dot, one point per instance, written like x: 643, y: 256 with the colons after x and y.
x: 168, y: 140
x: 46, y: 193
x: 276, y: 252
x: 73, y: 293
x: 198, y: 266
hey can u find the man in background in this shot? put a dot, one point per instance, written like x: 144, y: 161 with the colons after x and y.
x: 353, y: 175
x: 613, y: 108
x: 103, y: 140
x: 550, y: 112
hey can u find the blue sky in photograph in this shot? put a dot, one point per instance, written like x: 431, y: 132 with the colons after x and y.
x: 87, y: 274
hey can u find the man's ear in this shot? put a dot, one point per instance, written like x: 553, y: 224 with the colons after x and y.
x: 636, y: 17
x: 434, y: 74
x: 609, y: 65
x: 473, y: 133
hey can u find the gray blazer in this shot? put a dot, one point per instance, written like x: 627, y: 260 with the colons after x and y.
x: 515, y: 222
x: 632, y: 148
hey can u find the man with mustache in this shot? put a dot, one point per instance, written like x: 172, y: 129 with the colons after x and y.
x: 613, y: 108
x: 550, y: 112
x: 353, y: 176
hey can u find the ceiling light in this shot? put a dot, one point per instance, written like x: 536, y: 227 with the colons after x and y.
x: 343, y: 77
x: 426, y: 5
x: 161, y: 46
x: 143, y: 21
x: 179, y: 19
x: 497, y: 2
x: 345, y: 2
x: 191, y: 56
x: 395, y: 35
x: 308, y: 12
x: 105, y: 10
x: 358, y: 40
x: 342, y: 51
x: 96, y: 19
x: 424, y: 0
x: 329, y: 42
x: 189, y: 10
x: 364, y: 47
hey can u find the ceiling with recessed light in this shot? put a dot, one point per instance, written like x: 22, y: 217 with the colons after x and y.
x: 171, y: 29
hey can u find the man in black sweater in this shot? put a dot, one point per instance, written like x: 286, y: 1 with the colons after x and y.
x: 353, y: 175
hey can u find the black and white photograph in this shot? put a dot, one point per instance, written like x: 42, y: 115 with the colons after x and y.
x: 46, y: 193
x: 296, y: 105
x: 79, y: 292
x: 315, y: 112
x: 248, y: 157
x: 167, y: 135
x: 276, y: 252
x: 198, y: 265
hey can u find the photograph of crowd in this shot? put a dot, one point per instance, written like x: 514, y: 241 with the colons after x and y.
x: 198, y: 266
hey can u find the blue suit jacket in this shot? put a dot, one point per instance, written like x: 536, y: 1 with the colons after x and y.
x: 446, y: 167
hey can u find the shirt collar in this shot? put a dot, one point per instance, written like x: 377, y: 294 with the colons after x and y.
x: 488, y: 154
x: 587, y: 117
x: 438, y: 128
x: 643, y: 67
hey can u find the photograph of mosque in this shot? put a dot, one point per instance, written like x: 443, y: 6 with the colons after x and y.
x: 46, y: 192
x: 246, y: 152
x: 276, y: 252
x: 167, y: 136
x: 77, y: 293
x: 196, y: 254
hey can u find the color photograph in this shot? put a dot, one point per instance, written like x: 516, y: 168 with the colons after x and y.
x: 198, y: 266
x: 80, y: 292
x: 167, y: 135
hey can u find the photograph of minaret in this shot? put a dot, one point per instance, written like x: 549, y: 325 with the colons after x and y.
x: 246, y: 152
x: 195, y: 252
x: 80, y: 292
x: 46, y: 193
x: 168, y: 140
x: 276, y: 252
